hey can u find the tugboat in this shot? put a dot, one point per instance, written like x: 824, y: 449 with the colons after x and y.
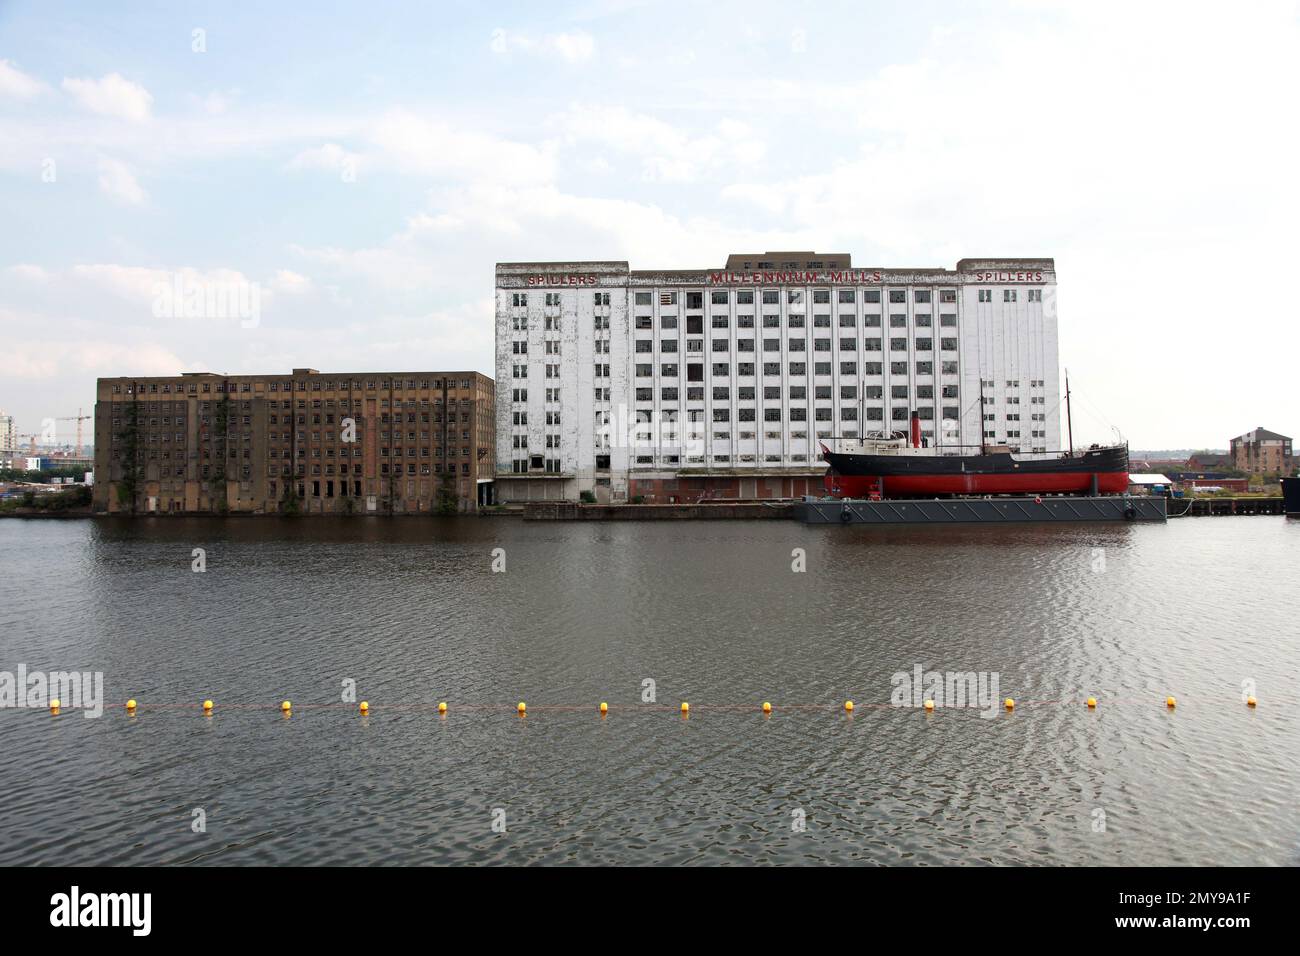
x: 892, y: 466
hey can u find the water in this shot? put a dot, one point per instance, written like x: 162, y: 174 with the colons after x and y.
x: 712, y: 612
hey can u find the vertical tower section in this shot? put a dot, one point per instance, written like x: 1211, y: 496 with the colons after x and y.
x: 1008, y: 346
x: 562, y: 375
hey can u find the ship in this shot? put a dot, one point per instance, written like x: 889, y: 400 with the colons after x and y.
x: 1291, y: 497
x: 896, y: 465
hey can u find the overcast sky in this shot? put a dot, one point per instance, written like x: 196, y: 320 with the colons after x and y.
x: 367, y: 164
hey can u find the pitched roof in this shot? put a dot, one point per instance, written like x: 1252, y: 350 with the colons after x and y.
x: 1262, y: 434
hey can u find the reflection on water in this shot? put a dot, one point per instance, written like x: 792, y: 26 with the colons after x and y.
x: 712, y: 613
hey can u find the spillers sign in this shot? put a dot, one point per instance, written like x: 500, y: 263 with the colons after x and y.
x: 1003, y: 278
x: 559, y: 280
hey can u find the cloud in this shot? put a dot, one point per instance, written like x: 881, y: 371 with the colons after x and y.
x: 667, y: 153
x: 218, y: 101
x: 331, y: 158
x: 1149, y: 161
x: 111, y: 95
x: 35, y: 359
x: 451, y: 250
x: 571, y: 47
x: 118, y: 183
x: 432, y: 147
x: 291, y: 283
x: 27, y: 272
x: 16, y: 84
x: 137, y: 288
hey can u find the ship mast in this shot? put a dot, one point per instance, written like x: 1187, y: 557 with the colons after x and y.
x: 862, y: 412
x: 982, y: 448
x: 1069, y: 419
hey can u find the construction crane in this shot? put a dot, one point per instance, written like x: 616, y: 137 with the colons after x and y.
x: 78, y: 418
x: 32, y: 452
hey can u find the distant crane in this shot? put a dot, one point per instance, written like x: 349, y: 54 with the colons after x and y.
x: 32, y: 452
x: 78, y: 418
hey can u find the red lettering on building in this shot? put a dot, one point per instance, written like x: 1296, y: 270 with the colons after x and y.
x: 561, y: 280
x: 1003, y: 278
x: 809, y: 277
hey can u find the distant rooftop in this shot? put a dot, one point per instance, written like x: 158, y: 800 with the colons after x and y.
x: 1261, y: 434
x: 748, y: 261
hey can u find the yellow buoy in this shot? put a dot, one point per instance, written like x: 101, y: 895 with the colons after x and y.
x: 286, y: 706
x: 1092, y: 703
x: 1170, y: 702
x: 1009, y: 704
x: 55, y: 704
x: 929, y: 705
x: 207, y: 706
x: 365, y: 707
x: 442, y: 706
x: 522, y: 708
x: 604, y: 707
x: 686, y: 708
x: 130, y: 704
x: 848, y: 706
x: 767, y: 707
x: 1250, y: 701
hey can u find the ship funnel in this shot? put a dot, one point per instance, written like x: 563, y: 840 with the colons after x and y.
x: 916, y: 429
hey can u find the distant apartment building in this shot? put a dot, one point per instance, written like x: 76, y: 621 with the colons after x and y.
x: 8, y: 435
x: 1262, y: 452
x: 306, y: 442
x: 676, y: 385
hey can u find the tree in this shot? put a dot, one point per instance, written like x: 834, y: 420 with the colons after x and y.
x: 447, y: 498
x: 290, y: 503
x: 129, y: 486
x: 221, y: 430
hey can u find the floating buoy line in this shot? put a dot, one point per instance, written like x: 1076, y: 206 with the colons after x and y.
x: 207, y: 707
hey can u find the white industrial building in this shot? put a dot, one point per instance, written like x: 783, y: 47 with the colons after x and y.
x: 675, y: 385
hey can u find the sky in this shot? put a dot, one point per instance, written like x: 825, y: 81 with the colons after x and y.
x: 364, y: 166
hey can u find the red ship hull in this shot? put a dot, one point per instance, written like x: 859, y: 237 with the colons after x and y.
x: 927, y: 486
